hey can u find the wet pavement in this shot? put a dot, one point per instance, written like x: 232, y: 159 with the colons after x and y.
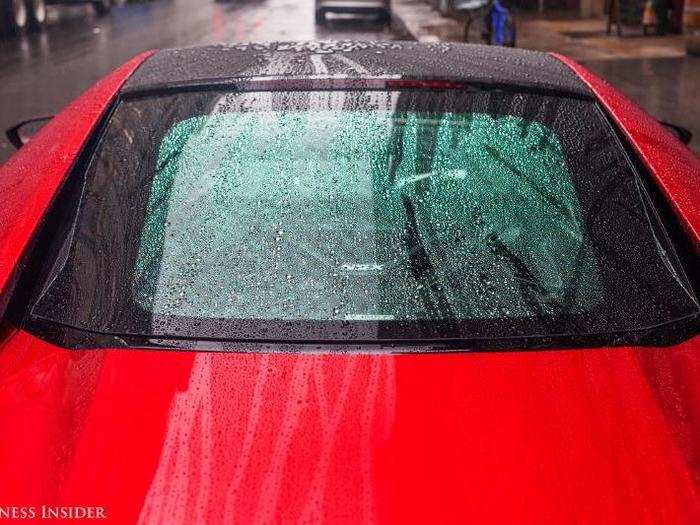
x: 654, y: 71
x: 41, y: 73
x: 668, y: 88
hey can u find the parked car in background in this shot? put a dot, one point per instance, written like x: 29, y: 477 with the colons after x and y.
x: 383, y: 7
x: 444, y: 6
x: 18, y: 16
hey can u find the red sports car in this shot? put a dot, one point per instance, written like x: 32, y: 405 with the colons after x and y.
x: 351, y: 282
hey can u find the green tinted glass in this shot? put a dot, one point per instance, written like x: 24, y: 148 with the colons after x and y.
x: 363, y: 215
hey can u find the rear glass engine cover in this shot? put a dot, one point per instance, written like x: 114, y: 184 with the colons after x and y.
x: 363, y: 215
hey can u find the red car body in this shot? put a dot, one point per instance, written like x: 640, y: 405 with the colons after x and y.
x: 604, y: 435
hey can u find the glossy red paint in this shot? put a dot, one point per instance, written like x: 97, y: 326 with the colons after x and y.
x: 31, y: 178
x: 675, y: 167
x: 589, y: 436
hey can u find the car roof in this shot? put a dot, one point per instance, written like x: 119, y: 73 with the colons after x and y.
x: 463, y: 62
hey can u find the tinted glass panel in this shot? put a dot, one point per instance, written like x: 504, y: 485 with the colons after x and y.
x: 363, y: 216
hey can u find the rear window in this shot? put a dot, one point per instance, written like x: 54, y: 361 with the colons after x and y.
x: 363, y: 216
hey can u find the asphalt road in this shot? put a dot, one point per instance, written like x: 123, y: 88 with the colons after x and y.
x: 668, y: 88
x: 40, y: 73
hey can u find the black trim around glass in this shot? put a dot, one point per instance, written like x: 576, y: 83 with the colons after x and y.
x: 431, y: 336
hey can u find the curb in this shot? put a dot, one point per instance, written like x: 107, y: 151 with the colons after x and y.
x: 404, y: 22
x: 399, y: 26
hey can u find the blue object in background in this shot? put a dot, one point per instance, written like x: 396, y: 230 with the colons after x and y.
x: 499, y: 15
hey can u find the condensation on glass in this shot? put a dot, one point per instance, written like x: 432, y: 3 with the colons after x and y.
x: 365, y: 215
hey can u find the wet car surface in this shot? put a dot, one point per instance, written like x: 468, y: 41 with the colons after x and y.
x: 338, y: 195
x: 165, y: 427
